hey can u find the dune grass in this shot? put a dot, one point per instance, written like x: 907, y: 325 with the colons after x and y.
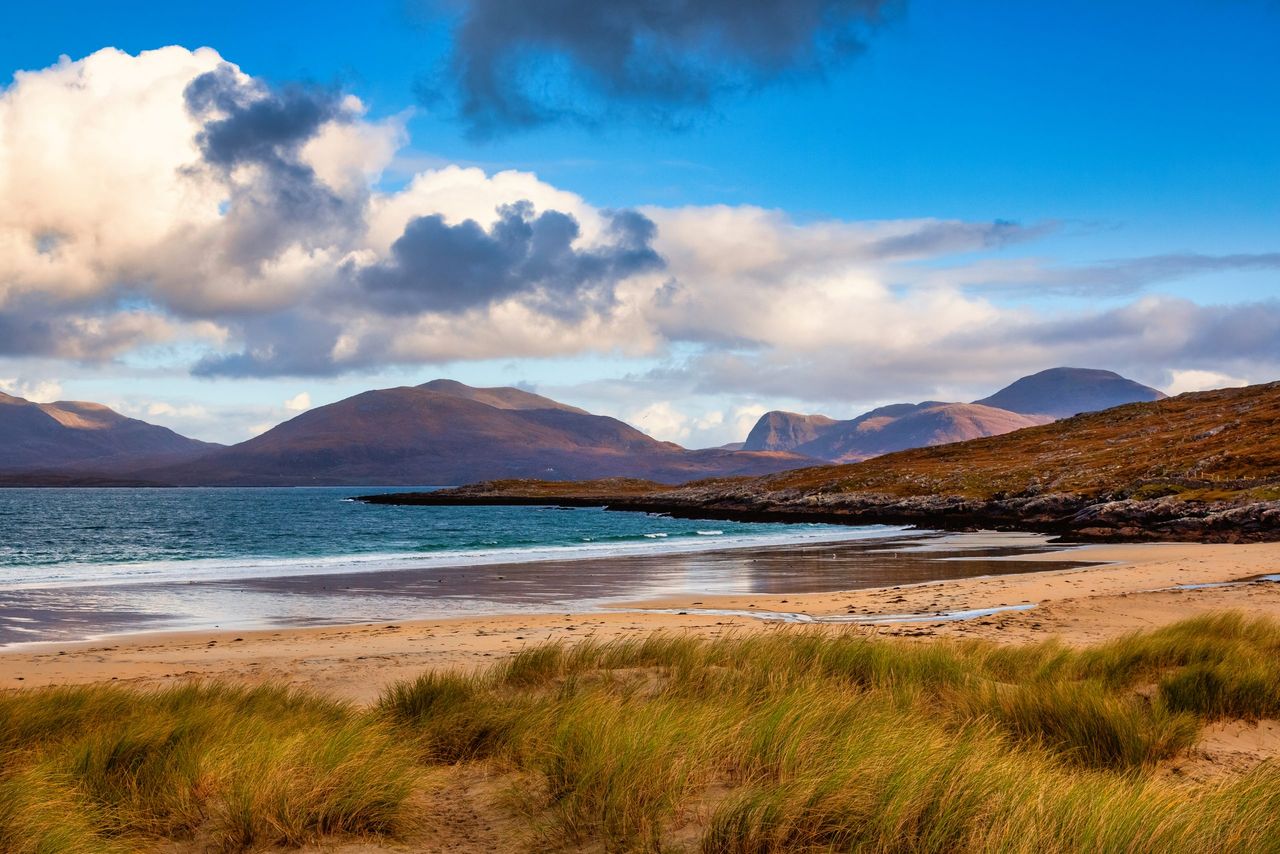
x: 781, y: 741
x: 100, y: 768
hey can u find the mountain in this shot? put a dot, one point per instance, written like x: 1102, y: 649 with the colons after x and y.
x: 1202, y: 467
x: 445, y: 432
x: 912, y: 426
x: 784, y: 431
x: 1063, y: 392
x: 87, y: 437
x: 1032, y: 400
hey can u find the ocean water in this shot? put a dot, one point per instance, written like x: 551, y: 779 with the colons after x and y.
x: 88, y: 563
x: 85, y: 563
x: 77, y: 537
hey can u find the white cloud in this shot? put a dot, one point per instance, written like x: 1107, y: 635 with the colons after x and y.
x: 161, y: 409
x: 92, y: 170
x: 662, y: 421
x: 1181, y: 382
x: 744, y: 418
x: 300, y: 402
x: 36, y: 391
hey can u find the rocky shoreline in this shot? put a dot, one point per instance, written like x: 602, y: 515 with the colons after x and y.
x: 1066, y: 515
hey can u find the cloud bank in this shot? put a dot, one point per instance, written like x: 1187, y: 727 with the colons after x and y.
x: 170, y: 200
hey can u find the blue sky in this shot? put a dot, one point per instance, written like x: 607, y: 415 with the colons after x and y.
x: 1121, y: 131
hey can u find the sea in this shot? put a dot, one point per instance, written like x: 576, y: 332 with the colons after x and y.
x: 86, y: 563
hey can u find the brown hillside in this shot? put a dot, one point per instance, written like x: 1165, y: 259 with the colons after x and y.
x: 1203, y: 445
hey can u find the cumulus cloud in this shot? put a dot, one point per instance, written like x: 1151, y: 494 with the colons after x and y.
x: 519, y: 65
x: 150, y: 180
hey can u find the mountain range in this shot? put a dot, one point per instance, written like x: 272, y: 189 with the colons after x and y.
x: 1028, y: 402
x: 445, y: 432
x: 440, y: 432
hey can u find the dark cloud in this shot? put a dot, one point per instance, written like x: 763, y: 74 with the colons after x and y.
x: 439, y: 267
x: 298, y: 344
x: 22, y: 335
x: 248, y: 124
x: 523, y: 64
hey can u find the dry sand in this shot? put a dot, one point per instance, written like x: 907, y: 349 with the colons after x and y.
x: 1079, y: 605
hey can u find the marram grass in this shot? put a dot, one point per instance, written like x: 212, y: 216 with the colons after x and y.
x: 795, y: 740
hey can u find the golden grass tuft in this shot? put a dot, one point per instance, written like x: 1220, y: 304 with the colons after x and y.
x: 237, y: 767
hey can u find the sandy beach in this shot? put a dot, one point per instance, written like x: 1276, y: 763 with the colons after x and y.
x: 1137, y: 587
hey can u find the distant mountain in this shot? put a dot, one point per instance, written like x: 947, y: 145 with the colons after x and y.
x: 784, y: 431
x: 87, y: 437
x: 1063, y: 392
x: 925, y: 424
x: 445, y: 432
x: 1033, y: 400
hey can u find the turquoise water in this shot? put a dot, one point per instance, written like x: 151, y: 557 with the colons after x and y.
x: 55, y: 537
x: 87, y: 563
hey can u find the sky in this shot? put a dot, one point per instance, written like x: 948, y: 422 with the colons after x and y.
x: 668, y: 211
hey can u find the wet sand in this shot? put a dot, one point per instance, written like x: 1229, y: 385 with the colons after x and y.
x: 1141, y: 587
x: 69, y: 611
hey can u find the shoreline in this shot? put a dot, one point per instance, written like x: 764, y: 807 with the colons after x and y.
x: 1131, y: 587
x: 322, y: 565
x: 575, y: 582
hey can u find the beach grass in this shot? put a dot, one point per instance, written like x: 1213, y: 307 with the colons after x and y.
x: 786, y: 740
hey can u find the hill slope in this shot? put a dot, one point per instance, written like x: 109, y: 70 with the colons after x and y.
x: 445, y: 432
x: 85, y: 436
